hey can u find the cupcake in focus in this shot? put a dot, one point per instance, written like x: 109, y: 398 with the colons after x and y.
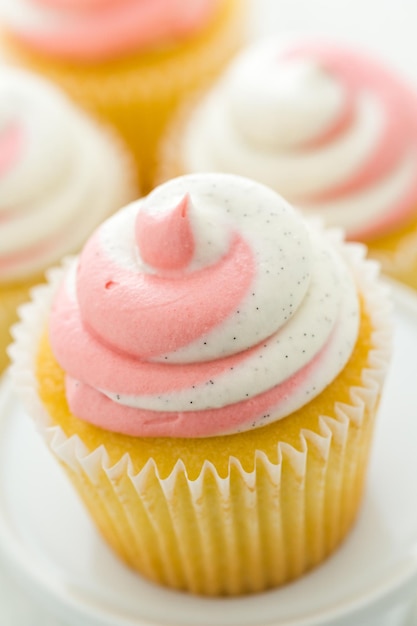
x: 132, y: 62
x: 208, y: 373
x: 331, y: 129
x: 52, y: 189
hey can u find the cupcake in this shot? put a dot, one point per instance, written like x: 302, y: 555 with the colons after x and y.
x: 329, y: 128
x: 208, y: 372
x: 52, y: 189
x: 129, y: 62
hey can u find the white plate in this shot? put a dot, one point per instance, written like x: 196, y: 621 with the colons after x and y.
x: 49, y: 542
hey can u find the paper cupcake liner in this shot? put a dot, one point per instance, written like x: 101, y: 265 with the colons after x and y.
x: 137, y: 95
x: 243, y: 532
x: 11, y: 297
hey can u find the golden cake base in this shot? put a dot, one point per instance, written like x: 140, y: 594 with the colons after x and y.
x: 232, y: 514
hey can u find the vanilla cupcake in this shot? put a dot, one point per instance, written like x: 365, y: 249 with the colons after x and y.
x: 208, y: 373
x: 130, y: 62
x: 329, y: 128
x: 60, y: 176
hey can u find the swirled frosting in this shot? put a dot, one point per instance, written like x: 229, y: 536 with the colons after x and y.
x: 90, y: 30
x: 52, y: 189
x: 207, y: 308
x: 330, y: 129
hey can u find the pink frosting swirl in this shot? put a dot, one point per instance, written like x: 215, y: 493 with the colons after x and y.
x: 398, y: 138
x: 93, y: 30
x: 187, y: 313
x: 330, y: 128
x: 11, y: 142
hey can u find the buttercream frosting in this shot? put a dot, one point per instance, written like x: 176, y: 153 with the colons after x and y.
x: 209, y: 307
x: 92, y: 30
x: 331, y: 129
x: 52, y: 189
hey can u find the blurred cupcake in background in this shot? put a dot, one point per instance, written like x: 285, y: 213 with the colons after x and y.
x: 60, y: 175
x: 331, y: 129
x: 129, y: 61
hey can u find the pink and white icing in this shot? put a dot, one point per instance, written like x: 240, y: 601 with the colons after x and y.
x: 94, y: 30
x: 207, y: 308
x: 52, y: 189
x: 331, y: 129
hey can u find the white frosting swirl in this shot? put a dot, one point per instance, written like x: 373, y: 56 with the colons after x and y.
x: 281, y: 107
x: 331, y: 130
x: 60, y: 175
x: 164, y: 344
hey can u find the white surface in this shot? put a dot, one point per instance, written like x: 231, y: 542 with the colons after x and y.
x: 51, y: 546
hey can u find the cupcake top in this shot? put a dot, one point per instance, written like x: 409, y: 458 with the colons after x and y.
x: 94, y: 30
x: 331, y: 129
x: 209, y: 307
x: 52, y: 189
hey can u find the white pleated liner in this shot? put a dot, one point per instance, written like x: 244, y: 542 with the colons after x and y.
x: 234, y: 534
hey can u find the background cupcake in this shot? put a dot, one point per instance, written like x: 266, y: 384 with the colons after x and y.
x: 223, y: 449
x: 331, y: 129
x: 52, y: 189
x: 130, y: 62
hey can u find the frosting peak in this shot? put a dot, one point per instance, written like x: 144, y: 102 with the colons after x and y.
x: 165, y: 239
x: 227, y: 342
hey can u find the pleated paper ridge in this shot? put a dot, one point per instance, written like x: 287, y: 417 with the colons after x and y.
x: 248, y: 531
